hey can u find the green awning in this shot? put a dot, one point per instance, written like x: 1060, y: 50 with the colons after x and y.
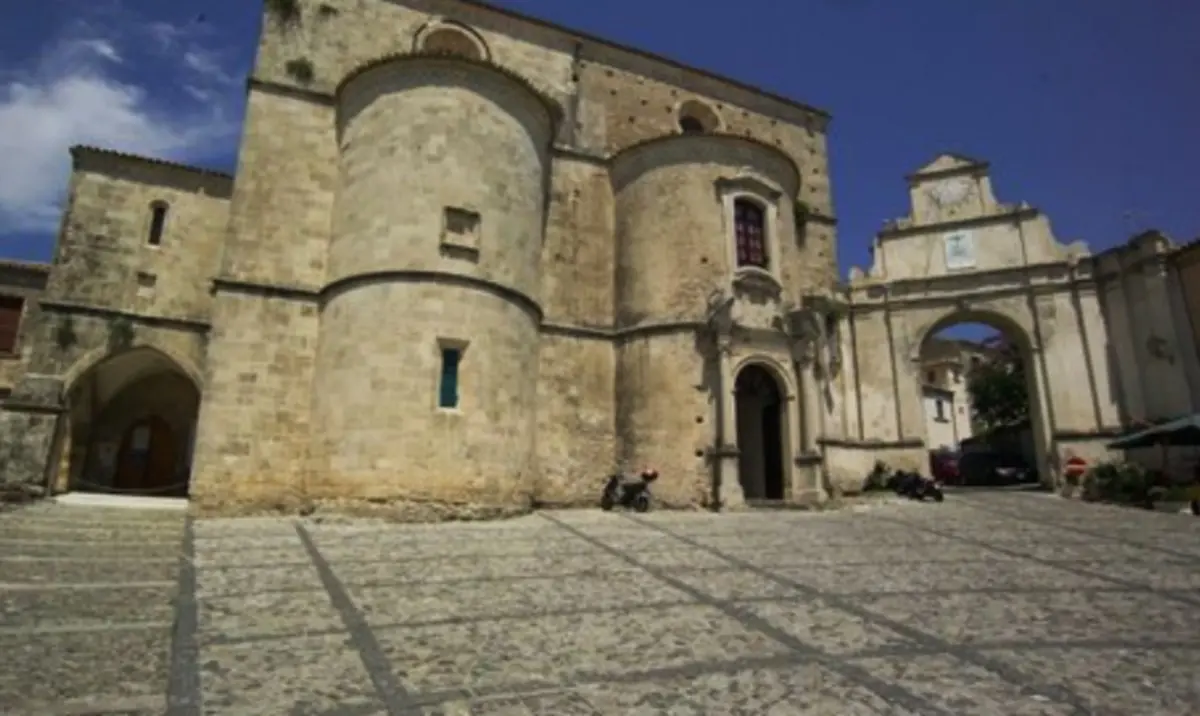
x: 1181, y: 431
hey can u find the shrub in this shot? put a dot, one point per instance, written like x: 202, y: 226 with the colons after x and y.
x: 1122, y: 482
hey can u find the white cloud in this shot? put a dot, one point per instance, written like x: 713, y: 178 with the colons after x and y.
x: 80, y: 91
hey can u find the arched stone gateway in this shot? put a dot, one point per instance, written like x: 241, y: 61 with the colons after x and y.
x: 129, y: 426
x: 962, y: 256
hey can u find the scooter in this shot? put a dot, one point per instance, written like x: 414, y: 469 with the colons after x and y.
x: 630, y: 494
x: 915, y: 486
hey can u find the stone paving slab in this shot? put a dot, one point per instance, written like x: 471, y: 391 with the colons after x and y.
x: 991, y: 604
x: 295, y: 674
x: 72, y: 547
x: 67, y: 571
x: 40, y: 670
x: 87, y: 605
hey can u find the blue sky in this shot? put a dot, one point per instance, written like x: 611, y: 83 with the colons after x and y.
x: 1089, y: 109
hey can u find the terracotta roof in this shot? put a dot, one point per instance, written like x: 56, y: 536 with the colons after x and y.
x: 79, y: 149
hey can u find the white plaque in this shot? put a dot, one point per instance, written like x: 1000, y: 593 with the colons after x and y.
x: 140, y: 440
x: 960, y: 250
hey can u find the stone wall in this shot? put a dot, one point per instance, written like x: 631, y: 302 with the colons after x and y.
x: 104, y: 258
x: 26, y: 281
x: 253, y: 438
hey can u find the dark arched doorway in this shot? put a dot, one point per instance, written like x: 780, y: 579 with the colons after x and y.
x: 760, y: 422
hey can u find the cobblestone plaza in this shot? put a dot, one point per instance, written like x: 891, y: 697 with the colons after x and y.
x: 1012, y: 604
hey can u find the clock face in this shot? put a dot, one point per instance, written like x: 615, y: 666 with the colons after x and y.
x: 951, y: 191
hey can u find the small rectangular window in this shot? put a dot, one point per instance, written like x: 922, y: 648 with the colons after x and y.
x: 11, y: 310
x: 940, y: 409
x: 158, y: 221
x: 460, y: 233
x: 448, y: 386
x: 145, y: 284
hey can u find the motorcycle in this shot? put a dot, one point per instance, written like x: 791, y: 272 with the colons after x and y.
x: 630, y: 494
x: 916, y: 486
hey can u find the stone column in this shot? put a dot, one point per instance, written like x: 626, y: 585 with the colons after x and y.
x: 1041, y: 423
x: 1172, y: 386
x: 28, y: 431
x: 730, y: 493
x: 60, y: 481
x: 1185, y: 339
x: 1134, y: 374
x: 810, y: 409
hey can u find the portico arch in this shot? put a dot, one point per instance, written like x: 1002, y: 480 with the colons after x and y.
x: 1017, y: 329
x: 129, y: 425
x: 962, y: 255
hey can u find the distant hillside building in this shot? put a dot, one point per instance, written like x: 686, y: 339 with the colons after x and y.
x: 946, y: 365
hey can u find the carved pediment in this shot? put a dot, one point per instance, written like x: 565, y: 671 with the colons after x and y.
x: 949, y: 162
x: 756, y: 284
x: 750, y: 182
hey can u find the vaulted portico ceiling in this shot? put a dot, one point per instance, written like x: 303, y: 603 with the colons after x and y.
x: 948, y: 164
x: 117, y: 372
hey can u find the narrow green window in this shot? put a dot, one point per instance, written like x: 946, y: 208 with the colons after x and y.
x: 448, y: 388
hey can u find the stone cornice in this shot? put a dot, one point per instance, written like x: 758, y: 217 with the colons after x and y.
x: 811, y: 214
x: 1047, y: 278
x: 975, y: 170
x: 903, y: 444
x: 558, y: 149
x: 549, y: 327
x: 267, y: 289
x: 182, y: 176
x: 1104, y: 433
x: 73, y: 308
x: 818, y: 116
x: 1013, y: 215
x: 553, y: 110
x: 978, y: 299
x: 34, y: 267
x: 23, y: 406
x: 291, y: 91
x: 631, y: 150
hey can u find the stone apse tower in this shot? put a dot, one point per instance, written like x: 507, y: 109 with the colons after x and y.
x: 474, y: 259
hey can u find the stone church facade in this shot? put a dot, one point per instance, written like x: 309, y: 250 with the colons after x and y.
x: 470, y: 263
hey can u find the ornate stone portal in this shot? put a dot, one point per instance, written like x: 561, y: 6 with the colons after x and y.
x: 756, y: 339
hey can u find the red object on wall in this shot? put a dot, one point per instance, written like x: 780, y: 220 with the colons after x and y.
x: 1075, y: 466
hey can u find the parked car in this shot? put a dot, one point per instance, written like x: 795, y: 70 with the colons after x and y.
x: 943, y: 466
x: 994, y: 468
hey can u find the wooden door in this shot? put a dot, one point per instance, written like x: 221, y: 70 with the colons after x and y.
x: 147, y: 457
